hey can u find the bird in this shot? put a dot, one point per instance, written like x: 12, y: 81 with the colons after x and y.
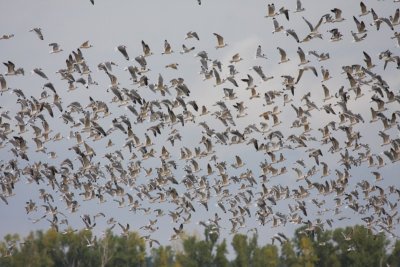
x: 167, y: 48
x: 277, y: 27
x: 192, y: 34
x: 299, y: 6
x: 3, y: 84
x: 40, y: 72
x: 364, y: 9
x: 55, y: 48
x: 220, y: 41
x: 284, y: 58
x: 38, y: 32
x: 259, y: 53
x: 6, y: 36
x: 122, y: 50
x: 85, y: 45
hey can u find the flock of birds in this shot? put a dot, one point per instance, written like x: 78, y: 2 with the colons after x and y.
x: 151, y: 120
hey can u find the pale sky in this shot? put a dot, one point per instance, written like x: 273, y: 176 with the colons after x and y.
x: 244, y: 26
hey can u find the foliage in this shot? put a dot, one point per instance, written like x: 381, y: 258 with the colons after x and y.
x: 351, y: 246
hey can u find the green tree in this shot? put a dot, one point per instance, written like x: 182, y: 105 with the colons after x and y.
x: 266, y: 256
x: 220, y: 259
x: 127, y: 250
x: 360, y: 247
x: 325, y: 250
x: 394, y: 258
x: 195, y: 252
x: 163, y: 256
x: 288, y: 256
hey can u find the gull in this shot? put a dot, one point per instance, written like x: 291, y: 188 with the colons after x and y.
x: 292, y: 33
x: 357, y: 38
x: 232, y: 80
x: 315, y: 153
x: 232, y: 70
x: 338, y: 15
x: 218, y: 80
x: 249, y: 81
x: 327, y: 94
x: 260, y: 72
x: 236, y: 58
x: 146, y: 49
x: 229, y: 94
x: 299, y: 7
x: 186, y: 49
x: 325, y: 74
x: 259, y: 53
x: 271, y: 11
x: 360, y: 25
x: 55, y: 48
x: 302, y: 57
x: 238, y: 162
x: 395, y: 20
x: 125, y: 229
x: 142, y: 62
x: 313, y: 29
x: 11, y: 69
x: 167, y: 48
x: 386, y: 138
x: 254, y: 94
x: 40, y: 72
x: 285, y: 12
x: 132, y: 71
x: 378, y: 20
x: 241, y: 109
x: 85, y: 45
x: 3, y: 84
x: 378, y: 176
x: 192, y: 34
x: 172, y: 66
x: 220, y: 41
x: 122, y: 49
x: 277, y: 27
x: 38, y: 32
x: 283, y: 56
x: 364, y: 9
x: 301, y: 70
x: 336, y: 35
x: 321, y: 57
x: 6, y: 36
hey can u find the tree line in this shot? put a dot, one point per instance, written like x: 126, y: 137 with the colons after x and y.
x: 350, y: 246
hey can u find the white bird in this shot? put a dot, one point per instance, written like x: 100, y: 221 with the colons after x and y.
x: 122, y: 49
x: 55, y: 48
x: 220, y: 41
x: 38, y: 32
x: 284, y: 58
x: 40, y: 72
x: 85, y: 45
x: 259, y: 53
x: 167, y: 48
x: 3, y: 84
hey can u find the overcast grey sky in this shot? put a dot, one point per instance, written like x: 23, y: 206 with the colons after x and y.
x: 243, y: 25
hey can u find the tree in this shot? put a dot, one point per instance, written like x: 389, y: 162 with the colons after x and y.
x: 288, y: 256
x: 266, y: 256
x: 360, y: 247
x: 220, y: 259
x: 394, y: 258
x: 163, y: 256
x: 325, y: 250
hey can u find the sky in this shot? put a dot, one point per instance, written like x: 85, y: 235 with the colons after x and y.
x: 108, y: 24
